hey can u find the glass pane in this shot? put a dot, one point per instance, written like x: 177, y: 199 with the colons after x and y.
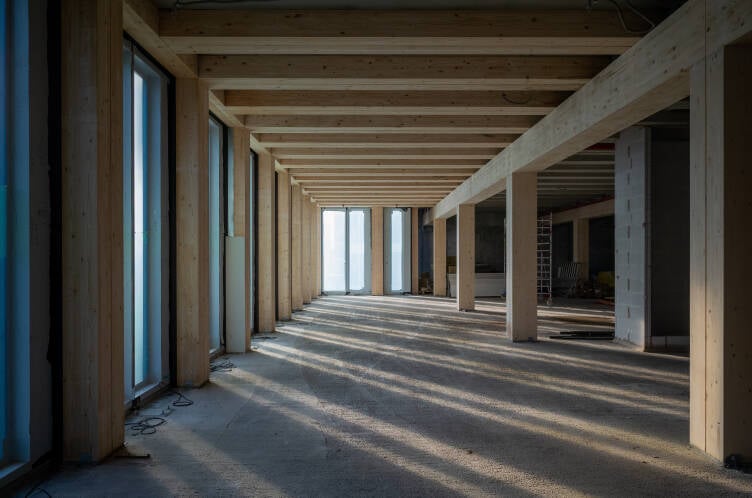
x: 396, y: 240
x: 334, y: 250
x: 215, y: 158
x: 3, y: 222
x: 357, y: 263
x: 140, y: 328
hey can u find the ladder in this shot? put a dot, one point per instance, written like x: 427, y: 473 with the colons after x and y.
x: 545, y: 246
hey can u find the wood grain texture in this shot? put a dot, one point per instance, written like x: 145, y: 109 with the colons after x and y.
x: 192, y: 231
x: 284, y: 256
x: 266, y: 257
x: 297, y: 247
x: 466, y: 257
x: 399, y: 31
x: 92, y: 235
x: 377, y: 250
x: 439, y: 257
x: 522, y: 300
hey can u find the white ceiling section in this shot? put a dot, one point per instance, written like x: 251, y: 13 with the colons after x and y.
x: 393, y: 106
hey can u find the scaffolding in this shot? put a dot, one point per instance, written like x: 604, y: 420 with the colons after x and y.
x: 544, y: 256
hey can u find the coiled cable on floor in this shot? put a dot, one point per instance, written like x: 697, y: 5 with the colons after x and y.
x: 145, y: 426
x: 182, y: 399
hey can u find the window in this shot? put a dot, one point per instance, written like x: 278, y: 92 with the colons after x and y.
x: 146, y: 266
x: 346, y: 250
x: 218, y: 146
x: 397, y: 250
x: 3, y: 227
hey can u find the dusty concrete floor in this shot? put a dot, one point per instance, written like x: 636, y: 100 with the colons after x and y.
x: 403, y: 396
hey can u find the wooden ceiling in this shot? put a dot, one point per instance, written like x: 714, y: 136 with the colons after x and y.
x: 390, y: 107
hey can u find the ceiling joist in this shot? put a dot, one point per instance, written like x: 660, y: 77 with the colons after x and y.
x: 523, y: 32
x: 399, y: 72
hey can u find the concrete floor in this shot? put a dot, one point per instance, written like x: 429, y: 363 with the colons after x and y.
x: 403, y: 396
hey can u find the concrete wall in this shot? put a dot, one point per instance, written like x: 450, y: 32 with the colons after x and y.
x: 630, y: 178
x: 652, y: 238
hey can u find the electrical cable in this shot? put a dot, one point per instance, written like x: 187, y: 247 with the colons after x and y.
x: 506, y: 97
x: 222, y: 366
x: 182, y: 399
x: 620, y: 14
x: 145, y: 426
x: 38, y: 489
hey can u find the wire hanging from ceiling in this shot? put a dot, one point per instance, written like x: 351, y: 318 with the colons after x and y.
x: 622, y: 20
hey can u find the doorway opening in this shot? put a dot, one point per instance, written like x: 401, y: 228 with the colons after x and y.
x: 346, y: 250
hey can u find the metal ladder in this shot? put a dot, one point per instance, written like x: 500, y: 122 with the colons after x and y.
x: 545, y: 247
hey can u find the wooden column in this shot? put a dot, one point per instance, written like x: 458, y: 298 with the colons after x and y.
x: 192, y: 231
x: 414, y: 269
x: 581, y: 245
x: 306, y: 241
x: 284, y: 260
x: 466, y: 257
x: 266, y: 257
x: 377, y: 251
x: 92, y: 228
x: 522, y: 299
x: 297, y: 248
x: 237, y: 271
x: 439, y: 257
x: 317, y: 249
x: 720, y: 247
x: 313, y: 249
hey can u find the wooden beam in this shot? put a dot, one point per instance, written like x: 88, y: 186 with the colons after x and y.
x: 384, y: 153
x: 141, y: 22
x: 439, y: 257
x: 297, y: 248
x: 649, y: 77
x: 465, y: 257
x: 377, y: 249
x: 378, y: 188
x: 361, y: 102
x: 389, y: 124
x: 284, y: 219
x: 366, y: 174
x: 497, y: 32
x: 217, y: 107
x: 192, y: 231
x: 400, y: 72
x: 408, y: 185
x: 357, y: 140
x: 376, y: 202
x: 266, y: 257
x: 394, y: 164
x: 91, y: 236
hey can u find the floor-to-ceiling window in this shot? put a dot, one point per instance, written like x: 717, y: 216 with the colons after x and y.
x: 218, y: 146
x: 145, y: 222
x: 397, y: 250
x: 3, y: 225
x: 346, y: 248
x: 252, y: 237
